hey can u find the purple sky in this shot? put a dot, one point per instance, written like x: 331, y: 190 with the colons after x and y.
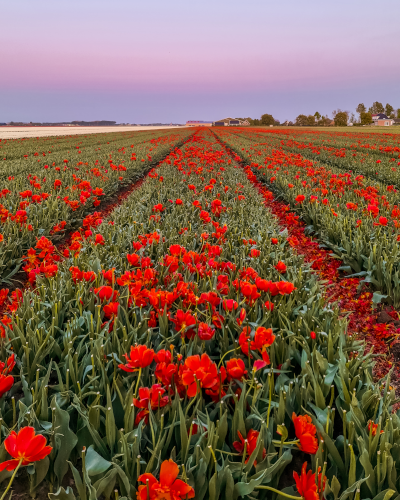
x: 175, y: 60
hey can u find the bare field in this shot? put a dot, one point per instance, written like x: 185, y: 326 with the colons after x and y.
x: 20, y: 132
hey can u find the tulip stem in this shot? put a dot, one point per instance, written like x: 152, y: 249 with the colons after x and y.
x: 219, y: 364
x: 281, y: 493
x: 285, y: 442
x: 270, y: 397
x: 138, y: 380
x: 11, y: 480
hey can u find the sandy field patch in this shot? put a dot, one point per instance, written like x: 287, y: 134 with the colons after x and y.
x: 19, y: 132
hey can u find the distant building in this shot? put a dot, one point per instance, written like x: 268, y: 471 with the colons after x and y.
x: 379, y: 116
x: 381, y: 120
x: 231, y: 122
x: 199, y: 123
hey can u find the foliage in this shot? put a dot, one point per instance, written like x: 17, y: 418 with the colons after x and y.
x: 356, y: 216
x: 184, y: 327
x: 376, y: 107
x: 305, y: 121
x: 341, y: 119
x: 389, y: 110
x: 366, y: 118
x: 267, y: 120
x: 361, y: 109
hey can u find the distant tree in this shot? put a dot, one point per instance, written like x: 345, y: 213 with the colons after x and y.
x: 302, y: 121
x: 361, y: 108
x: 389, y: 110
x: 352, y: 118
x: 377, y: 107
x: 317, y: 116
x: 366, y: 118
x: 255, y: 122
x: 324, y: 121
x: 310, y: 120
x: 398, y: 114
x: 341, y: 119
x: 277, y: 122
x: 267, y: 120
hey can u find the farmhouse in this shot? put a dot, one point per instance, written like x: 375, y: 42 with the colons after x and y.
x: 381, y: 120
x: 199, y: 123
x: 230, y: 122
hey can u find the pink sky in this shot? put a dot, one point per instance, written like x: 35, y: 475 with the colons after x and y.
x: 220, y: 57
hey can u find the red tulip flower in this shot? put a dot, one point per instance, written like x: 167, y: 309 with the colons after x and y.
x: 230, y: 304
x: 205, y: 332
x: 154, y: 397
x: 106, y: 292
x: 99, y: 240
x: 133, y: 259
x: 306, y: 433
x: 111, y: 310
x: 168, y: 487
x: 281, y: 267
x: 139, y: 357
x: 6, y: 382
x: 201, y: 370
x: 25, y: 448
x: 184, y: 320
x: 284, y: 287
x: 305, y: 484
x: 236, y: 369
x: 251, y: 444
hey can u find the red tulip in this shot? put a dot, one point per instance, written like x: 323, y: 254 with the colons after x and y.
x: 25, y: 448
x: 99, y: 240
x: 6, y: 382
x: 133, y: 259
x: 305, y: 484
x: 306, y: 433
x: 139, y: 357
x: 235, y: 368
x: 281, y: 267
x: 251, y: 444
x: 230, y: 305
x: 106, y: 292
x: 111, y: 309
x: 201, y: 370
x: 168, y: 487
x: 154, y: 397
x: 205, y: 332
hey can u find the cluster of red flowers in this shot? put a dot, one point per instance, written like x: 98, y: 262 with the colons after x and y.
x: 6, y: 380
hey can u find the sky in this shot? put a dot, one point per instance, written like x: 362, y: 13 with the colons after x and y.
x: 170, y: 61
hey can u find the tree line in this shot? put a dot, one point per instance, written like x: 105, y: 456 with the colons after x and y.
x: 339, y: 118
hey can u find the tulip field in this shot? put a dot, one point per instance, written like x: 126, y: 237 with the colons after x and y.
x: 200, y: 313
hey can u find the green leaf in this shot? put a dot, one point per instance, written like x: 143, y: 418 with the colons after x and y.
x: 95, y: 463
x: 62, y: 494
x: 41, y: 469
x: 65, y: 440
x: 242, y: 489
x: 377, y: 297
x: 352, y: 489
x: 385, y: 495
